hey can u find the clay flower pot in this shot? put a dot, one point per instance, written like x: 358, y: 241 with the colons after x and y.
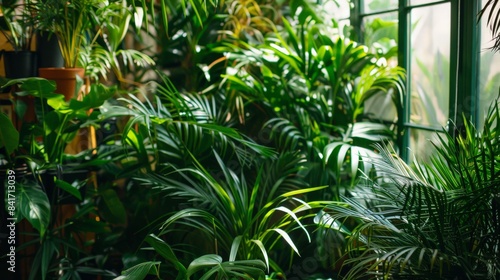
x: 65, y: 79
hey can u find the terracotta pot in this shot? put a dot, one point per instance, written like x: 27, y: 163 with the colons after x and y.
x: 65, y: 79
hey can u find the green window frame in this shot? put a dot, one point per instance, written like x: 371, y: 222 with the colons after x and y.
x: 464, y: 60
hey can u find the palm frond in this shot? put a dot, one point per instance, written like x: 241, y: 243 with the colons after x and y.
x: 436, y: 220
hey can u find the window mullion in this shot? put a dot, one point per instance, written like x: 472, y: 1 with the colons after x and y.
x: 404, y: 61
x: 464, y: 61
x: 356, y: 20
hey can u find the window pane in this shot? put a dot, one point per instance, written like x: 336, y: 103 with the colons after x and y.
x: 420, y: 144
x: 489, y: 73
x: 430, y: 66
x: 388, y: 114
x: 345, y: 27
x: 371, y: 6
x: 339, y: 9
x: 380, y: 33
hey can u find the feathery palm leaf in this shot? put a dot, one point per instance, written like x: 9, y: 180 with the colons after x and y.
x: 438, y: 220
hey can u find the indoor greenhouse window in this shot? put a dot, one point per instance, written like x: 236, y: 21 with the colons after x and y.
x: 489, y: 72
x: 450, y: 71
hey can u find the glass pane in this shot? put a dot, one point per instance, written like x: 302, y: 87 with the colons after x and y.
x: 373, y: 105
x: 419, y: 2
x: 489, y: 73
x: 421, y: 144
x: 339, y: 9
x: 345, y: 27
x: 371, y: 6
x: 380, y: 33
x: 430, y: 65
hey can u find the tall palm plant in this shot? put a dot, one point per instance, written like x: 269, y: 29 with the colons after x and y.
x: 238, y: 198
x: 438, y: 220
x: 313, y: 86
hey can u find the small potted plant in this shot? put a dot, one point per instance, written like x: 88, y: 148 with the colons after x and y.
x: 16, y: 25
x: 73, y: 23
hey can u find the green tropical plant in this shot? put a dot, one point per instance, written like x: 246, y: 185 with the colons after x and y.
x: 313, y: 89
x: 114, y: 20
x: 60, y: 241
x: 169, y: 146
x: 438, y: 219
x: 16, y: 24
x: 9, y: 138
x: 73, y: 24
x: 61, y: 246
x: 59, y: 121
x: 246, y: 269
x: 242, y: 220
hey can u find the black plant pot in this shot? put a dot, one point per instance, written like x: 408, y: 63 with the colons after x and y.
x: 75, y: 177
x: 20, y: 64
x: 49, y: 53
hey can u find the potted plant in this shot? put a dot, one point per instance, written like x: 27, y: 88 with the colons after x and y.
x: 59, y: 123
x: 17, y: 26
x: 72, y: 22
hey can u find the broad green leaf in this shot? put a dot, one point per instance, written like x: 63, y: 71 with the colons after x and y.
x: 113, y: 207
x: 37, y: 86
x: 9, y: 136
x: 69, y: 188
x: 33, y: 204
x: 96, y: 97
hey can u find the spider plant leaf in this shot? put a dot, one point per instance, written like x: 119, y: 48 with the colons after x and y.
x: 287, y: 238
x: 263, y: 250
x: 140, y: 271
x: 292, y: 214
x: 234, y: 247
x: 162, y: 248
